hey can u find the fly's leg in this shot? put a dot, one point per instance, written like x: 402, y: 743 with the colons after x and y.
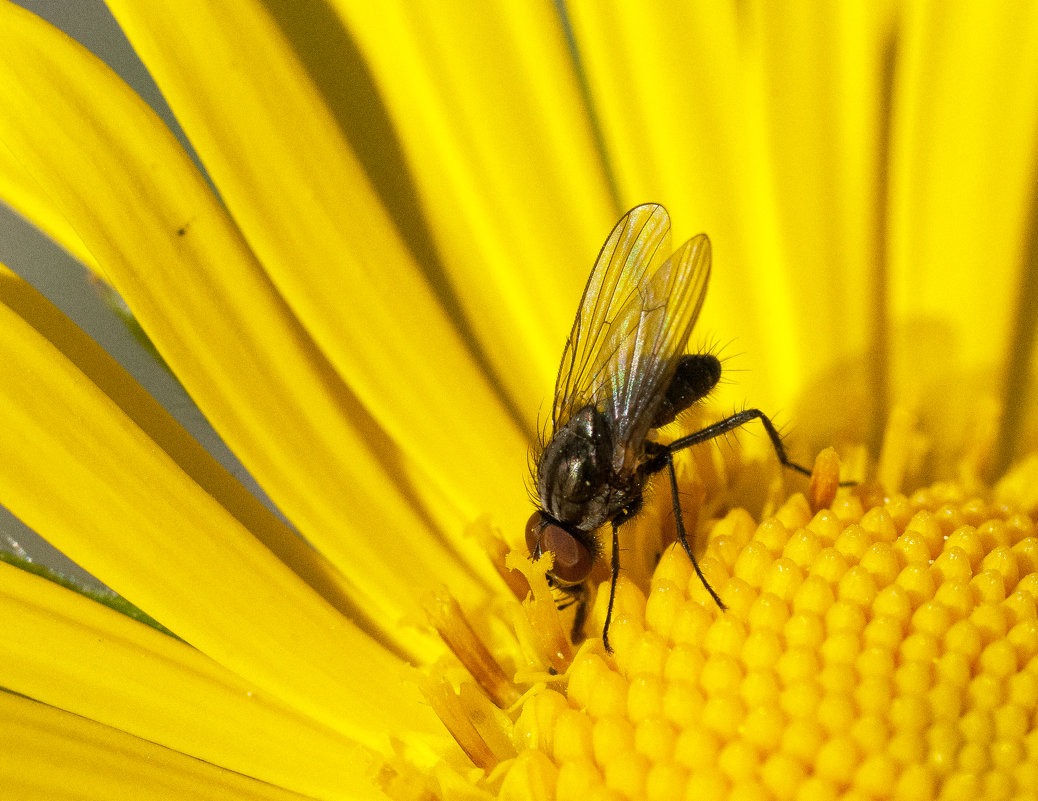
x: 612, y: 580
x: 737, y: 420
x: 575, y: 595
x: 679, y: 523
x: 576, y: 633
x: 663, y: 456
x: 615, y: 564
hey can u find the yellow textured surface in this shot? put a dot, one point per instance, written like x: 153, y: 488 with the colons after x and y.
x: 883, y: 648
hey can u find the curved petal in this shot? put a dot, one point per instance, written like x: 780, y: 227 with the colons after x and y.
x: 496, y: 133
x: 21, y: 192
x: 225, y: 330
x: 55, y: 755
x: 190, y: 456
x: 73, y: 466
x: 823, y: 79
x: 130, y: 677
x: 306, y: 208
x: 692, y: 107
x: 962, y: 182
x: 855, y: 158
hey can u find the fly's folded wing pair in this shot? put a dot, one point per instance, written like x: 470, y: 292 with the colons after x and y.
x: 632, y: 327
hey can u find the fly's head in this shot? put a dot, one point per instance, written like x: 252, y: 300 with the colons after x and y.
x: 573, y: 557
x: 574, y: 482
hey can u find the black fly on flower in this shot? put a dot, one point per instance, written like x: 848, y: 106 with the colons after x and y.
x: 624, y: 373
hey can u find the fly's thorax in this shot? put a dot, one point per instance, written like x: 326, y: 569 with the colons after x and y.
x: 575, y: 473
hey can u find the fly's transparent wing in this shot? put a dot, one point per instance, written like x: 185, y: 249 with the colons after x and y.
x: 641, y: 348
x: 637, y: 245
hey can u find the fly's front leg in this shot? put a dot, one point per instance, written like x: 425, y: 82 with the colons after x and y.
x: 615, y: 564
x: 576, y: 595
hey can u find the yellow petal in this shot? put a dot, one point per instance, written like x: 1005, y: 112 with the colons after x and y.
x: 75, y: 467
x: 190, y: 456
x: 61, y: 757
x: 69, y: 652
x: 841, y: 168
x: 504, y: 158
x: 826, y: 148
x: 684, y: 120
x: 205, y: 301
x: 21, y: 192
x: 961, y: 196
x: 962, y: 171
x: 283, y: 167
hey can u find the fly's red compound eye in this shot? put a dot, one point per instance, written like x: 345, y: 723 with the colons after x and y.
x: 573, y: 560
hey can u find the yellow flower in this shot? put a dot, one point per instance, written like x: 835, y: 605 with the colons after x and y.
x: 366, y: 293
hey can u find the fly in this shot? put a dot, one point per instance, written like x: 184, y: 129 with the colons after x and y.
x: 625, y: 373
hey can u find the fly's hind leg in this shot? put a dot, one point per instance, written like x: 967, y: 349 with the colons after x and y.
x: 663, y: 456
x: 721, y: 427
